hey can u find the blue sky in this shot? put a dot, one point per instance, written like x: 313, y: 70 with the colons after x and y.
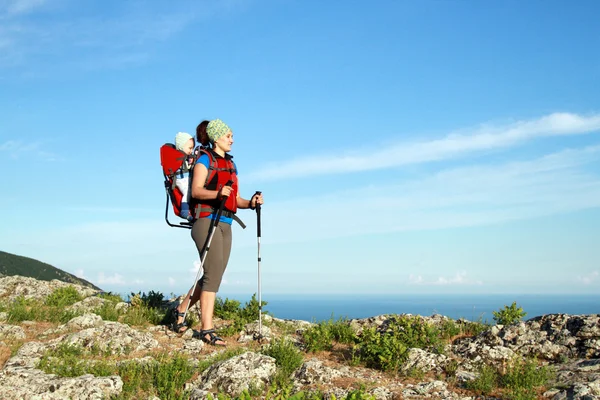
x: 402, y: 146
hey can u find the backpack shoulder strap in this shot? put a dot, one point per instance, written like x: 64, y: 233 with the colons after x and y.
x: 212, y: 163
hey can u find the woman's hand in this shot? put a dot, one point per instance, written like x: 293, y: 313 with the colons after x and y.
x: 225, y: 192
x: 256, y: 199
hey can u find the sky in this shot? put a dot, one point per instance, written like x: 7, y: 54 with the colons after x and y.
x: 403, y: 147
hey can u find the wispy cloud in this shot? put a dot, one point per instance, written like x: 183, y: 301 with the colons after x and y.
x: 474, y: 195
x: 460, y: 278
x: 589, y: 279
x: 16, y: 149
x: 16, y: 7
x: 486, y: 137
x: 121, y: 35
x: 114, y: 279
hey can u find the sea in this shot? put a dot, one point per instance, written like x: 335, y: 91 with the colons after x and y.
x: 315, y: 308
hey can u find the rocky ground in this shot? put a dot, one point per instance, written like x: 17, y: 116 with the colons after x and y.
x: 568, y: 344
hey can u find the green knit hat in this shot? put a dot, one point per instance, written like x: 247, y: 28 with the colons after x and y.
x: 216, y: 129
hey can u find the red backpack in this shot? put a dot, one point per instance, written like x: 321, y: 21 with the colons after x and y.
x: 171, y: 161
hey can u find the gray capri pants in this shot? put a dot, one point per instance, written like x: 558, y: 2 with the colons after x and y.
x: 218, y: 254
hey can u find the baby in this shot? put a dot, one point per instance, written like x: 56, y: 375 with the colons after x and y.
x: 185, y: 143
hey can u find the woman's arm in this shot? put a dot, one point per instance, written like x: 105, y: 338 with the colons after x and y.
x: 243, y: 203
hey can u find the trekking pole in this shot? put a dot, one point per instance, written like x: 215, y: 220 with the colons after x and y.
x: 259, y: 291
x: 206, y: 247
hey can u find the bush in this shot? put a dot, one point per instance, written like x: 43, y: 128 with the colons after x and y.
x: 318, y: 337
x: 523, y: 377
x: 151, y: 300
x: 108, y: 312
x: 321, y: 336
x: 62, y: 297
x: 486, y: 381
x: 239, y: 316
x: 163, y: 377
x: 509, y: 315
x: 287, y: 357
x: 21, y: 309
x: 388, y: 349
x: 520, y: 381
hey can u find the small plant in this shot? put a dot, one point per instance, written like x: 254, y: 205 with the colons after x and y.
x: 474, y: 328
x: 509, y: 314
x: 110, y: 296
x: 486, y: 381
x: 71, y: 361
x: 451, y: 367
x: 163, y: 377
x: 318, y: 337
x: 287, y: 358
x: 62, y: 297
x: 170, y: 373
x: 108, y: 312
x: 359, y: 394
x: 151, y: 300
x: 387, y: 349
x: 21, y: 309
x: 142, y: 315
x: 342, y: 331
x: 239, y: 316
x: 523, y: 377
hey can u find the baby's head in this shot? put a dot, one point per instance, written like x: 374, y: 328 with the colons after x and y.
x: 184, y: 142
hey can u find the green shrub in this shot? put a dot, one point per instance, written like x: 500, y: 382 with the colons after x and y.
x: 387, y: 350
x: 487, y: 380
x: 321, y: 336
x: 170, y: 373
x: 110, y: 296
x: 287, y: 357
x: 151, y: 300
x: 108, y: 312
x: 342, y: 331
x: 21, y: 309
x: 71, y: 361
x: 382, y: 351
x: 523, y: 377
x: 62, y: 297
x: 509, y: 315
x: 318, y: 337
x: 141, y: 314
x: 239, y: 316
x: 359, y: 394
x: 163, y: 377
x: 474, y: 328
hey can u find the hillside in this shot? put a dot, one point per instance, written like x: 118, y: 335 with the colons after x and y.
x: 71, y: 342
x: 12, y: 264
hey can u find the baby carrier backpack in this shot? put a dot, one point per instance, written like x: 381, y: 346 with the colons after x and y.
x: 172, y: 162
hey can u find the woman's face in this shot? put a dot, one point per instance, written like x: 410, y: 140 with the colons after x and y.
x: 225, y: 142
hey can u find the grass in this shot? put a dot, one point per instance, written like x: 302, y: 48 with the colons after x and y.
x: 521, y: 381
x: 239, y: 316
x: 163, y: 377
x: 287, y: 358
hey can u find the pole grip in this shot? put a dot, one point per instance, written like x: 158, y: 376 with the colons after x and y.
x: 257, y: 214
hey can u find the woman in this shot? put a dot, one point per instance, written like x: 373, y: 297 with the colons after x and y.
x: 213, y: 181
